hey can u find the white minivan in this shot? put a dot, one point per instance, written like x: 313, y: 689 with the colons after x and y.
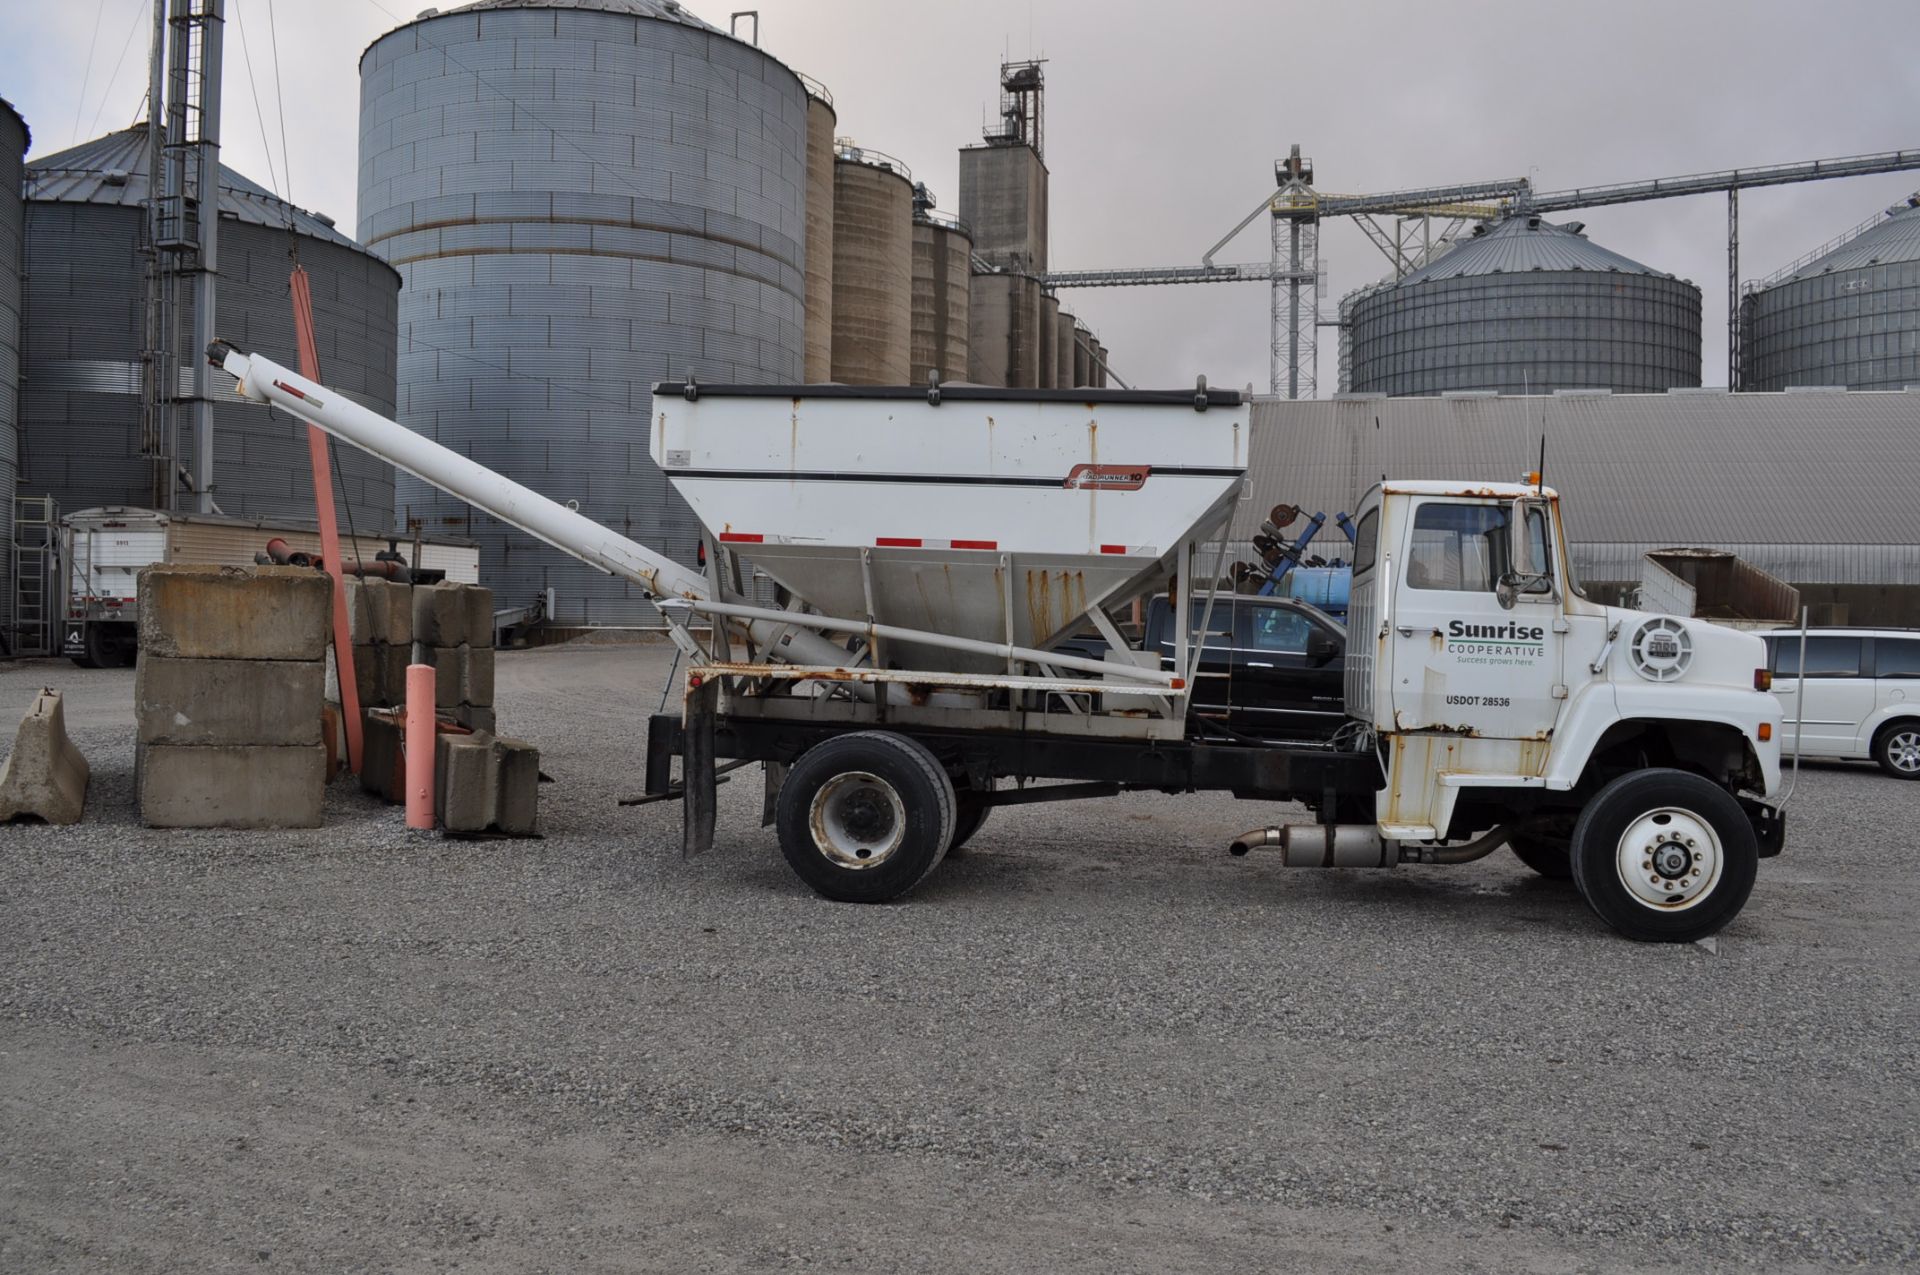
x: 1862, y: 694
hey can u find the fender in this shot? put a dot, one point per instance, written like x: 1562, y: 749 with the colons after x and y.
x: 1744, y: 710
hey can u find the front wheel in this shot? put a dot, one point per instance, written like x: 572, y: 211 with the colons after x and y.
x: 1551, y: 859
x: 1665, y: 856
x: 1897, y: 749
x: 863, y: 818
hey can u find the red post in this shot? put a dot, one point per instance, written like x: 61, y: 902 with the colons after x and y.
x: 329, y: 526
x: 420, y: 741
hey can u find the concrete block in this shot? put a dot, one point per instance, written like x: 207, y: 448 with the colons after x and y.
x: 474, y: 717
x: 449, y: 663
x: 234, y: 613
x: 380, y: 612
x: 44, y: 777
x: 517, y: 803
x: 477, y: 601
x: 440, y: 614
x: 383, y: 767
x: 201, y: 702
x: 380, y: 676
x: 476, y: 676
x: 225, y: 787
x: 465, y: 782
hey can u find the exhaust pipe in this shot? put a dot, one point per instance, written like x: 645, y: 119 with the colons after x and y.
x: 1320, y: 845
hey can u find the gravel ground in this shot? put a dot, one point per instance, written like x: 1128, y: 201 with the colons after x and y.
x: 1096, y: 1042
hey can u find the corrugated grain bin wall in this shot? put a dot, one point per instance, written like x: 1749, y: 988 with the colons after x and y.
x: 85, y: 277
x: 1063, y: 351
x: 821, y: 122
x: 872, y: 274
x: 942, y: 307
x: 1850, y: 317
x: 1049, y: 342
x: 14, y: 139
x: 1527, y: 307
x: 583, y: 199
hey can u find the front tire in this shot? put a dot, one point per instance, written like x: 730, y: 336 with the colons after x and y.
x: 864, y: 818
x: 1551, y: 859
x: 1897, y: 749
x: 1665, y: 856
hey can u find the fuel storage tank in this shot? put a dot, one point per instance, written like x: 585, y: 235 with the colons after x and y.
x: 1526, y: 306
x: 14, y: 142
x: 82, y: 439
x: 942, y: 266
x: 1850, y: 316
x: 872, y: 268
x: 583, y: 197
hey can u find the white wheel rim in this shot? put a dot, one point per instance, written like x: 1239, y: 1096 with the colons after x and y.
x: 858, y: 820
x: 1669, y: 859
x: 1903, y: 751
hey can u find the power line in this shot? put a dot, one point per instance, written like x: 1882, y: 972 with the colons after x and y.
x: 259, y: 114
x: 93, y: 45
x: 106, y: 95
x: 279, y: 97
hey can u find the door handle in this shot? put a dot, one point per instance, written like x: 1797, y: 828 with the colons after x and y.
x: 1405, y: 630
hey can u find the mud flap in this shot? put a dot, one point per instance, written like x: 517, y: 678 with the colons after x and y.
x: 1769, y: 825
x: 696, y: 770
x: 770, y: 802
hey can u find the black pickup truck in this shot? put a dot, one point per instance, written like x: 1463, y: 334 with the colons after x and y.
x: 1270, y: 667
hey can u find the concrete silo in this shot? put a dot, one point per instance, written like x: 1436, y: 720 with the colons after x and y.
x: 942, y: 265
x: 821, y: 122
x: 582, y: 198
x: 1850, y: 316
x: 81, y: 428
x: 872, y: 269
x: 1064, y: 328
x: 1527, y: 307
x: 14, y: 141
x: 1004, y: 345
x: 1049, y: 342
x: 1082, y: 356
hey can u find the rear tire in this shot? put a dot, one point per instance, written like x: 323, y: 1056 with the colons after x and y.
x: 1665, y: 856
x: 969, y: 813
x: 1897, y: 749
x: 1552, y: 860
x: 864, y: 818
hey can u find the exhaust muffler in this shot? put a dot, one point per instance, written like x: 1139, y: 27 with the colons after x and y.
x: 1320, y: 845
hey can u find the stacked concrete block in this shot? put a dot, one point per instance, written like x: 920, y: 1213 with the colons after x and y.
x: 485, y: 783
x: 454, y: 623
x: 228, y: 696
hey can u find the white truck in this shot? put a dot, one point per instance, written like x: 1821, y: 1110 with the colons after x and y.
x: 935, y: 545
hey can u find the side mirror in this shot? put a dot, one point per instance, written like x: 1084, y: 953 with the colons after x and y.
x: 1520, y: 551
x: 1321, y: 647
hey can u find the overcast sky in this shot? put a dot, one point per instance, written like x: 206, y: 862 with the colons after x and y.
x: 1163, y: 121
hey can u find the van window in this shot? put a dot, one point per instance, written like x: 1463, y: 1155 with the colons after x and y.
x: 1826, y: 656
x: 1462, y: 548
x: 1366, y: 542
x: 1896, y: 657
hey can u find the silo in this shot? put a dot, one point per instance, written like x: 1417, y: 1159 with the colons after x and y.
x: 942, y: 265
x: 14, y: 141
x: 1850, y: 316
x: 821, y: 122
x: 872, y: 269
x: 1082, y: 357
x: 582, y: 198
x: 1049, y: 342
x: 1099, y: 356
x: 81, y: 435
x: 1527, y: 307
x: 1004, y: 346
x: 1063, y: 352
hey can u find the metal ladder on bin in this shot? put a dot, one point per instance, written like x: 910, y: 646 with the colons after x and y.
x: 36, y: 554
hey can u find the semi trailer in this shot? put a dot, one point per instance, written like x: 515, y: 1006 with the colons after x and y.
x: 934, y: 547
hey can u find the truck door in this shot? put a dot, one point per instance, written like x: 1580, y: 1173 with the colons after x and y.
x: 1464, y: 660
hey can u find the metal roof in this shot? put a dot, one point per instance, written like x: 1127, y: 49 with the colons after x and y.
x: 663, y: 10
x: 12, y: 110
x: 113, y: 170
x: 1895, y: 239
x: 1518, y: 244
x: 1817, y: 474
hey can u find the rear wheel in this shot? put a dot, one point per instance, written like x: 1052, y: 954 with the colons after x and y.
x: 1897, y: 749
x: 1664, y: 856
x: 865, y: 817
x: 1552, y: 859
x: 969, y: 812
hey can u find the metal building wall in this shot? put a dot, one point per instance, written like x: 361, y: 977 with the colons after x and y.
x: 941, y: 301
x: 13, y: 149
x: 1850, y: 317
x: 820, y: 164
x: 872, y: 274
x: 80, y: 405
x: 580, y: 203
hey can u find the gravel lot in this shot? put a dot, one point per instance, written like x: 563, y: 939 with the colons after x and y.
x: 1096, y: 1042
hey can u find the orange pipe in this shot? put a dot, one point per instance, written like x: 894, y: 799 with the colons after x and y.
x: 420, y: 745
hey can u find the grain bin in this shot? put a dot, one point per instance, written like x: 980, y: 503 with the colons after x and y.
x: 872, y: 268
x: 1527, y: 306
x: 85, y: 266
x: 14, y: 142
x: 583, y: 197
x: 821, y: 122
x: 1849, y: 316
x: 942, y: 266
